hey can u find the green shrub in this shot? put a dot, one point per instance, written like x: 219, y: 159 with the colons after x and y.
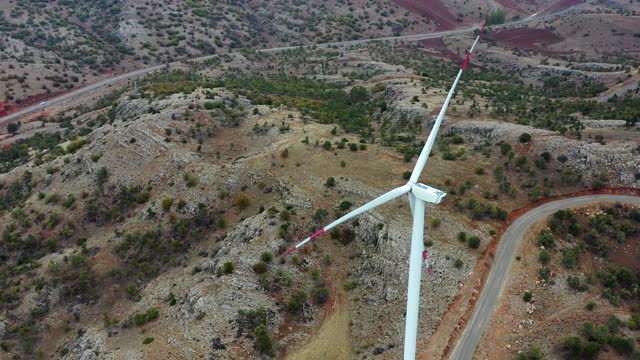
x: 166, y: 203
x: 544, y: 273
x: 473, y: 242
x: 226, y: 269
x: 350, y: 285
x: 458, y: 263
x: 148, y: 340
x: 331, y: 182
x: 320, y: 214
x: 296, y: 301
x: 263, y: 342
x: 190, y: 180
x: 545, y: 238
x: 266, y: 256
x: 457, y: 139
x: 69, y: 201
x: 462, y: 236
x: 544, y: 257
x: 345, y: 205
x: 448, y: 155
x: 320, y: 295
x: 142, y: 197
x: 260, y: 267
x: 622, y: 344
x: 575, y: 283
x: 102, y: 175
x: 570, y: 257
x: 140, y: 319
x: 531, y: 354
x: 524, y: 138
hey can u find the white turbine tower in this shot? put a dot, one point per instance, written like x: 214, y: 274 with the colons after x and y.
x: 419, y: 194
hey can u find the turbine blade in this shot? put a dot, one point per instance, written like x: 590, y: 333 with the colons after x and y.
x: 426, y: 150
x: 366, y: 207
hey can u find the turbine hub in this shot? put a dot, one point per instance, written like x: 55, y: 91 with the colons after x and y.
x: 427, y: 193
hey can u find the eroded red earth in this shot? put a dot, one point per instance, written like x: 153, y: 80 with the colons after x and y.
x: 523, y: 38
x: 438, y: 47
x: 7, y: 107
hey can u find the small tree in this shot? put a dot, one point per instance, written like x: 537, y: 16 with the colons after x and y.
x: 166, y: 203
x: 473, y: 242
x: 103, y: 175
x: 531, y: 354
x: 320, y: 295
x: 544, y: 257
x: 296, y: 301
x: 358, y: 94
x: 331, y: 182
x: 524, y: 138
x: 263, y: 342
x: 320, y: 214
x: 527, y: 296
x: 13, y: 127
x: 266, y: 256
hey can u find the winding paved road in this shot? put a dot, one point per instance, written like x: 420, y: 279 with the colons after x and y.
x: 509, y: 243
x: 87, y: 90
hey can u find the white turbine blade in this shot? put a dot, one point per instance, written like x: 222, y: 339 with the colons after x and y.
x: 366, y: 207
x: 426, y: 150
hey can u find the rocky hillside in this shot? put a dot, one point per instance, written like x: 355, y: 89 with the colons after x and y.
x: 151, y: 224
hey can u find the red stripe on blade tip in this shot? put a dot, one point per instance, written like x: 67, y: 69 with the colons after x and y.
x: 316, y: 234
x: 466, y: 61
x: 289, y: 251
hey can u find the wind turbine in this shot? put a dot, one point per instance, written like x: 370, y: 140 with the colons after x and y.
x: 419, y: 195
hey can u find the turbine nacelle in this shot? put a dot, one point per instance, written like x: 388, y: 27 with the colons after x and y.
x: 427, y: 193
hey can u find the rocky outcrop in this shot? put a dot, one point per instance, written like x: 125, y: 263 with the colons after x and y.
x: 620, y: 160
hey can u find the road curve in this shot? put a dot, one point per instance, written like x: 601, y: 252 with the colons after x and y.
x: 141, y: 72
x: 509, y: 243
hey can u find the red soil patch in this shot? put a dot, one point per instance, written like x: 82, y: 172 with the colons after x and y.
x: 438, y: 47
x: 433, y: 9
x: 561, y: 5
x: 531, y: 39
x: 6, y: 108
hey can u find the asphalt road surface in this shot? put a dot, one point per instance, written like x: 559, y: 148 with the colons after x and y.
x: 509, y: 243
x: 87, y: 90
